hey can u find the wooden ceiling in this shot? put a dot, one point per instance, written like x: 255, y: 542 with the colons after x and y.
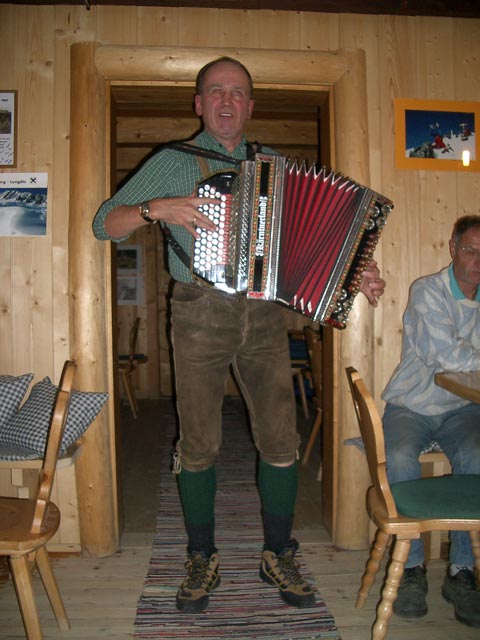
x: 440, y: 8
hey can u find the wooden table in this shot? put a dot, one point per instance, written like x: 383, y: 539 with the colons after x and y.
x: 465, y: 384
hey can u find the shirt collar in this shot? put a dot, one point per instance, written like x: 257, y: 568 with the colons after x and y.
x: 456, y: 291
x: 207, y: 141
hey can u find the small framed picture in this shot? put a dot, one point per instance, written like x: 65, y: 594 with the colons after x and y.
x: 8, y: 128
x: 437, y: 134
x: 130, y: 290
x: 129, y: 259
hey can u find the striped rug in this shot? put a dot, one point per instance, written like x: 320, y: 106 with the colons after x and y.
x: 242, y: 607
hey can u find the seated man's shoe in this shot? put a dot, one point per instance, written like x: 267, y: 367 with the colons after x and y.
x: 282, y: 570
x: 462, y: 592
x: 411, y: 601
x: 201, y: 579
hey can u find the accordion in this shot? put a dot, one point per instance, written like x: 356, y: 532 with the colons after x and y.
x: 291, y: 234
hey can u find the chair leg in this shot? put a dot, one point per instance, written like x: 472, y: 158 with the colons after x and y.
x: 313, y: 434
x: 301, y: 390
x: 377, y: 552
x: 401, y: 549
x: 130, y: 393
x: 20, y: 568
x: 475, y: 540
x: 51, y: 587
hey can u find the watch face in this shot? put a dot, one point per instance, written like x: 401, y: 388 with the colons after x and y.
x: 144, y: 211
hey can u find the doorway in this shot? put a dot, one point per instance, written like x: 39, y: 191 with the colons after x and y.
x: 95, y: 70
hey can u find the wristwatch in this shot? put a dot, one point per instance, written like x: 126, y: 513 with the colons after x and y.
x: 144, y: 209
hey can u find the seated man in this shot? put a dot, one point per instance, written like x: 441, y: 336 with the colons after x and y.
x: 441, y: 331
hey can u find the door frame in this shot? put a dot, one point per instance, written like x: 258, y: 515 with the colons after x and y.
x: 94, y: 68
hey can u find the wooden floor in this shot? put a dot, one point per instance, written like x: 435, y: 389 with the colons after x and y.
x: 101, y: 594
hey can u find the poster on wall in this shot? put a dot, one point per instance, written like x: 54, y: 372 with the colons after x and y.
x: 23, y: 204
x: 437, y: 135
x: 8, y: 127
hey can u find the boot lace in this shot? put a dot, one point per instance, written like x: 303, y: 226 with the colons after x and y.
x: 197, y: 570
x: 290, y: 568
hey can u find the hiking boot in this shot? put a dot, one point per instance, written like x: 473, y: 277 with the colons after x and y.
x: 462, y: 591
x: 201, y: 579
x: 282, y: 570
x: 411, y: 600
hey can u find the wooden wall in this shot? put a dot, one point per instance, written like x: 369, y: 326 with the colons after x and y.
x: 429, y: 58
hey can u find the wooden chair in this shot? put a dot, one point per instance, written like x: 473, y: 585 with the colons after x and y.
x: 127, y: 365
x: 407, y: 509
x: 314, y: 347
x: 26, y: 525
x: 300, y: 365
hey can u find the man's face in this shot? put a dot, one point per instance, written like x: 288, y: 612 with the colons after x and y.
x: 466, y: 261
x: 225, y: 104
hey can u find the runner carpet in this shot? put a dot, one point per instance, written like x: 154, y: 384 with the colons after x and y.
x: 242, y: 607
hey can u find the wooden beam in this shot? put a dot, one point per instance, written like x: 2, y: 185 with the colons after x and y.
x: 90, y: 334
x: 446, y: 8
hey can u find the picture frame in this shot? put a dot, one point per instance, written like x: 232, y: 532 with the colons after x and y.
x: 432, y: 134
x: 130, y: 291
x: 130, y: 286
x: 129, y: 259
x: 8, y: 128
x: 23, y: 204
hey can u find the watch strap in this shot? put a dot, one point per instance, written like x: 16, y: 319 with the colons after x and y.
x: 144, y: 209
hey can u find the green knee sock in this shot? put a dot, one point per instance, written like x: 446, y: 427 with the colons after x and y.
x: 197, y: 491
x: 278, y: 490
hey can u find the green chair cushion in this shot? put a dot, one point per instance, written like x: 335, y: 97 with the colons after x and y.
x: 440, y: 497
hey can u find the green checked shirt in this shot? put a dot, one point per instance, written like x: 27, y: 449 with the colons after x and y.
x: 168, y: 174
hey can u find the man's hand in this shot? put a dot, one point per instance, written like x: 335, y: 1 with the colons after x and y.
x: 372, y: 284
x: 183, y: 212
x: 125, y: 219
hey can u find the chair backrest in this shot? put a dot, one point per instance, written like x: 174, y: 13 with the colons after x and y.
x: 372, y: 434
x: 55, y: 434
x: 315, y: 353
x: 132, y: 347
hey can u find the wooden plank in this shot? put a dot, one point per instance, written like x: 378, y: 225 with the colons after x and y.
x: 239, y: 29
x: 157, y: 25
x: 198, y: 28
x: 289, y: 129
x: 319, y: 31
x: 400, y: 257
x: 116, y: 24
x: 8, y: 362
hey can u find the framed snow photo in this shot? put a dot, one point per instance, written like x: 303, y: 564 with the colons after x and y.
x: 437, y: 134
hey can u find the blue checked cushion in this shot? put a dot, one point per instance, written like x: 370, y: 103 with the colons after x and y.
x: 12, y: 392
x: 28, y: 428
x: 16, y: 453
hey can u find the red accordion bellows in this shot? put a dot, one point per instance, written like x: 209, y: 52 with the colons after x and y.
x: 318, y: 211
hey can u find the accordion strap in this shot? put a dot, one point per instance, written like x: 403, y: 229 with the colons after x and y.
x: 186, y: 147
x: 177, y: 247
